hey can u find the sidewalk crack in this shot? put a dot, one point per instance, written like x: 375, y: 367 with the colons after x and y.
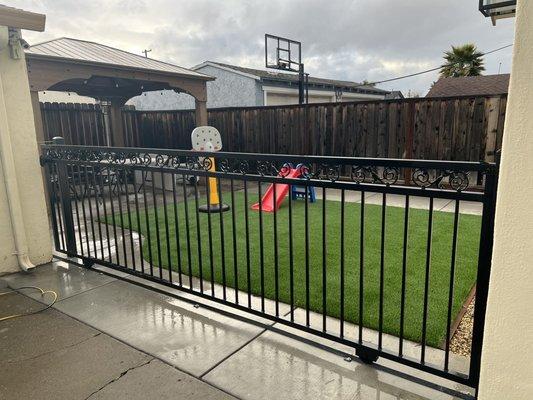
x: 120, y: 376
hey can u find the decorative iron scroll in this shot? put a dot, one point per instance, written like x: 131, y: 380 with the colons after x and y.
x: 325, y: 168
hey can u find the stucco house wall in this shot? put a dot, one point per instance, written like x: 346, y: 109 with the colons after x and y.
x: 17, y: 129
x: 227, y: 90
x: 244, y: 87
x: 507, y: 359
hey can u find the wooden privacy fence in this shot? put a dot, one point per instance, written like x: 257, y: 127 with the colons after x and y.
x: 467, y: 128
x: 81, y: 124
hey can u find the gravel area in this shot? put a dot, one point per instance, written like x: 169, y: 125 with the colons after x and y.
x: 462, y: 339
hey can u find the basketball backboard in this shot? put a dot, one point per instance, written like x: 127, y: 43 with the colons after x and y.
x: 282, y: 53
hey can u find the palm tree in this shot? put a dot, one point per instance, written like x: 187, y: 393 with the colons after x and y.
x: 463, y: 60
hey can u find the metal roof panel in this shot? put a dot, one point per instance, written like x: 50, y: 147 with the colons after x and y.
x: 91, y: 52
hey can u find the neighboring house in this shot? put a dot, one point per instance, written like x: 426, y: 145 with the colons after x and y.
x: 486, y: 85
x: 52, y: 96
x: 246, y: 87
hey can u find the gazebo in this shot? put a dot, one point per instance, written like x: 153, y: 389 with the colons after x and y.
x: 108, y: 74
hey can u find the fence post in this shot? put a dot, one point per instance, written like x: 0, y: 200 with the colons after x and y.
x: 484, y: 267
x: 65, y: 201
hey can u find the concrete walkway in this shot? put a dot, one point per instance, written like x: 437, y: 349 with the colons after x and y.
x: 50, y: 355
x: 183, y: 349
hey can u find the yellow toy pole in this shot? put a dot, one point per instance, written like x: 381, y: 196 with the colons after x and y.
x: 214, y: 199
x: 207, y: 139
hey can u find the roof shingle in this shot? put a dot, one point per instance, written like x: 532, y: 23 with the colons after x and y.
x: 470, y: 86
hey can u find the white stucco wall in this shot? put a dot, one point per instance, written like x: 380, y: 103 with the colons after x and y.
x: 507, y: 360
x: 227, y: 90
x: 18, y: 113
x: 52, y: 96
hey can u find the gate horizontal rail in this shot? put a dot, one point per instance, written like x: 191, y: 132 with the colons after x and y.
x: 372, y: 263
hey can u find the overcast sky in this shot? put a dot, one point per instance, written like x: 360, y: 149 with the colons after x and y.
x: 350, y: 40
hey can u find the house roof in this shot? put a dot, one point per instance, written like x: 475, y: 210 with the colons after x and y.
x: 85, y: 52
x: 470, y: 86
x: 293, y: 78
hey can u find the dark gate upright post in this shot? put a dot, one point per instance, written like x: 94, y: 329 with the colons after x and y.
x: 483, y: 272
x: 65, y: 201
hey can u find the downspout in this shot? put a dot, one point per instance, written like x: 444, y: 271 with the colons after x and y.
x: 7, y: 162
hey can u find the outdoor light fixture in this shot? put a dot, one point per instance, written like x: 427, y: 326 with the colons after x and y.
x: 497, y: 9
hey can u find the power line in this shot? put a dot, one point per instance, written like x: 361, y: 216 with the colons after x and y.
x: 427, y: 70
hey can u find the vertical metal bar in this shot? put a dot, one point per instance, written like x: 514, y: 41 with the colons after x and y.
x: 78, y: 220
x: 342, y: 277
x: 210, y: 237
x: 148, y: 227
x: 87, y: 185
x: 483, y: 272
x: 121, y: 217
x: 52, y: 199
x: 276, y: 262
x: 113, y: 219
x: 167, y: 229
x: 261, y: 249
x: 361, y: 267
x: 291, y: 257
x: 247, y: 234
x: 188, y: 236
x: 426, y: 282
x: 222, y: 239
x: 66, y: 208
x: 57, y: 203
x: 92, y: 182
x: 91, y: 185
x: 157, y: 234
x: 307, y: 275
x: 234, y: 232
x: 404, y: 274
x: 451, y: 286
x: 138, y: 218
x: 324, y: 262
x: 382, y: 269
x: 130, y: 225
x: 108, y: 235
x: 177, y: 228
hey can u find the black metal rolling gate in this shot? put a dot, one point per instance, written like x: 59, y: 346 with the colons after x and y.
x: 336, y: 265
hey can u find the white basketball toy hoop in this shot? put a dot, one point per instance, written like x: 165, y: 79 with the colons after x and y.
x: 206, y: 138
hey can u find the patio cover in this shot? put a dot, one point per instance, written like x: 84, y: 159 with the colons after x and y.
x: 108, y: 74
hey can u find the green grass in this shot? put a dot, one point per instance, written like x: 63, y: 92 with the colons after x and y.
x: 466, y: 259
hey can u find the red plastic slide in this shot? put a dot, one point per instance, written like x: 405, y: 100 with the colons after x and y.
x: 268, y: 203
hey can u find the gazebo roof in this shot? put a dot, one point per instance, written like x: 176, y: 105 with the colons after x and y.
x: 96, y: 70
x: 85, y: 52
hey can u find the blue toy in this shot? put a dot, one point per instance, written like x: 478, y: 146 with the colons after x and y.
x: 298, y: 192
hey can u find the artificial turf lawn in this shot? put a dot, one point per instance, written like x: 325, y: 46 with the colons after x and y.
x: 441, y: 245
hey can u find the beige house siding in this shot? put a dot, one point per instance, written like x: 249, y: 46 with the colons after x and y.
x: 507, y: 361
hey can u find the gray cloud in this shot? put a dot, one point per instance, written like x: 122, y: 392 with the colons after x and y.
x: 353, y: 40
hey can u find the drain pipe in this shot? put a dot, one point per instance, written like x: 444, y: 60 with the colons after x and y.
x: 7, y: 162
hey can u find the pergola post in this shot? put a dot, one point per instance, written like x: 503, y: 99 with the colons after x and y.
x: 201, y: 113
x: 118, y: 136
x: 39, y: 128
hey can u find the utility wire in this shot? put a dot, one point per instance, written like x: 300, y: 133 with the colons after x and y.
x: 426, y: 71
